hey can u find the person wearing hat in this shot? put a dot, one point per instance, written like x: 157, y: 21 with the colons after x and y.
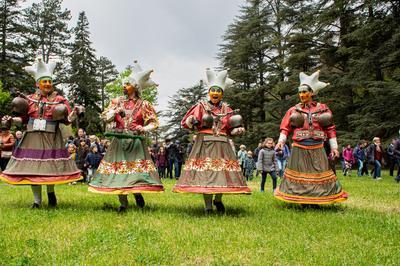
x: 308, y: 179
x: 127, y: 167
x: 41, y: 157
x: 212, y: 168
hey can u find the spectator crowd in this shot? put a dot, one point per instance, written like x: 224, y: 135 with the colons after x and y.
x: 365, y: 159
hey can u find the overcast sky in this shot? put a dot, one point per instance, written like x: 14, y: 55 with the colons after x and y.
x: 177, y: 38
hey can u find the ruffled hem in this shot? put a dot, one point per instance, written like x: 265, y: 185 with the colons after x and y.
x: 211, y: 190
x: 40, y: 180
x: 342, y: 196
x: 127, y: 190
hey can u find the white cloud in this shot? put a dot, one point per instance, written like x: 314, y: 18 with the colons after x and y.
x: 176, y: 38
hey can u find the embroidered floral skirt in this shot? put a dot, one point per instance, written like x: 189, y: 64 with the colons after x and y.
x: 212, y: 168
x: 41, y: 159
x: 308, y: 179
x: 126, y: 168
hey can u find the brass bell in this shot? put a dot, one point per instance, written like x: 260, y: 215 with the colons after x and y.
x: 19, y: 106
x: 208, y: 121
x: 296, y: 119
x: 6, y: 124
x: 325, y: 119
x: 60, y: 112
x: 235, y: 121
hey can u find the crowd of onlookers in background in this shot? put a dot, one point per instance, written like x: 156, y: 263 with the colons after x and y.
x: 264, y: 160
x: 365, y: 154
x: 169, y: 156
x: 366, y: 158
x: 87, y: 152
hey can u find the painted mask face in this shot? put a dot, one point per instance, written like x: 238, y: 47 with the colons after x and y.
x: 305, y: 94
x: 129, y: 89
x: 215, y: 94
x: 46, y: 86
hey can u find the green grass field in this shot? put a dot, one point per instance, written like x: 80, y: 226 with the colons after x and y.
x: 173, y: 230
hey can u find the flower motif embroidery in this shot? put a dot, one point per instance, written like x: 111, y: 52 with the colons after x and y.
x: 124, y: 167
x: 209, y: 164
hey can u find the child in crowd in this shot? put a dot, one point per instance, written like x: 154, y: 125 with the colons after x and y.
x: 92, y: 161
x: 161, y: 162
x: 348, y: 159
x: 249, y: 166
x: 267, y: 163
x: 72, y: 151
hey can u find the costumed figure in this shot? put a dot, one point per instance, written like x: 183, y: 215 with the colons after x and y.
x: 41, y: 157
x: 308, y: 178
x: 212, y: 167
x: 127, y: 167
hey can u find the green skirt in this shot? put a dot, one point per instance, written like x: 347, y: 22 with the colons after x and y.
x: 126, y: 168
x: 308, y: 179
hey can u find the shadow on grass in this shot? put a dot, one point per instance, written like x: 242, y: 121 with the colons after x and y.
x: 170, y: 209
x: 311, y: 207
x: 197, y: 211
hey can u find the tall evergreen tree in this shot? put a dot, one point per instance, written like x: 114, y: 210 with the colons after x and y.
x: 12, y: 50
x: 355, y: 43
x: 179, y: 104
x: 83, y: 75
x: 48, y: 33
x: 106, y: 73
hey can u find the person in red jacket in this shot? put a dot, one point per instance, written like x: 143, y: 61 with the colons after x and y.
x: 308, y: 179
x: 212, y: 167
x: 7, y: 142
x: 41, y: 157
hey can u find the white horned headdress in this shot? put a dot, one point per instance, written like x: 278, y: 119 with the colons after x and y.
x: 40, y: 69
x: 218, y: 79
x: 311, y: 81
x: 140, y: 77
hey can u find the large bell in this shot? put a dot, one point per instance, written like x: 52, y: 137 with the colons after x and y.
x: 325, y: 119
x: 208, y: 121
x: 81, y: 111
x: 296, y: 119
x: 60, y: 112
x: 6, y: 124
x: 235, y: 121
x: 19, y: 106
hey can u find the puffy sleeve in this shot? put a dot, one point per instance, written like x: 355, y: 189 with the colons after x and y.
x: 330, y: 131
x: 196, y: 111
x: 149, y: 116
x: 65, y: 101
x: 108, y: 114
x: 226, y: 119
x: 71, y: 115
x: 285, y: 127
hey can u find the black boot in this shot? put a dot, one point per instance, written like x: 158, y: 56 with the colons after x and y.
x: 35, y: 206
x: 139, y: 200
x: 52, y: 199
x: 220, y: 206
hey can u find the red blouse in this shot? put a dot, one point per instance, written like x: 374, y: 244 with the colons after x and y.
x: 199, y: 110
x: 316, y: 132
x: 33, y: 105
x: 138, y: 112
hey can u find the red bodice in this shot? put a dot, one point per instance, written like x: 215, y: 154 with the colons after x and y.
x: 313, y: 130
x: 33, y: 105
x: 200, y: 109
x: 137, y: 112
